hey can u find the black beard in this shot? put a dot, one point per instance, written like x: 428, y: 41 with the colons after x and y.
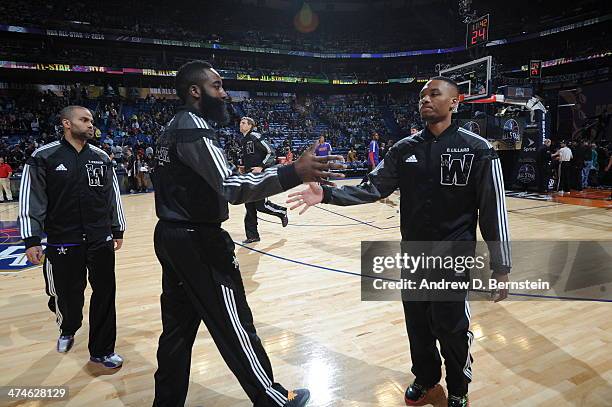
x: 214, y: 109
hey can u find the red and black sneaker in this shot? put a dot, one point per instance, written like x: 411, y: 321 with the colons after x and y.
x: 417, y: 395
x: 458, y: 401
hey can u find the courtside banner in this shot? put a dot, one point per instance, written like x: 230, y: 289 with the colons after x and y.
x: 454, y: 271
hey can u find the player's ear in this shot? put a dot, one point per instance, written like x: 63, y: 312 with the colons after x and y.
x: 195, y: 91
x: 454, y: 104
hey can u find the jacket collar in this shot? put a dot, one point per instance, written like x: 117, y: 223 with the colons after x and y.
x: 187, y: 108
x: 67, y: 144
x: 427, y: 135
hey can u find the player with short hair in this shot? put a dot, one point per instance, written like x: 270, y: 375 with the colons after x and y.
x: 201, y: 278
x: 69, y: 191
x: 257, y: 155
x: 450, y: 180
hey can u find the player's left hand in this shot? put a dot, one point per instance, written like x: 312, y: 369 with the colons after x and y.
x: 502, y: 294
x: 118, y: 243
x: 256, y: 170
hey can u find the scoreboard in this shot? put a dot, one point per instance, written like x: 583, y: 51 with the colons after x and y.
x: 477, y: 32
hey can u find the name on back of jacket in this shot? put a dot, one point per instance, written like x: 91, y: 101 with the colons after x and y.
x: 95, y: 162
x: 458, y: 150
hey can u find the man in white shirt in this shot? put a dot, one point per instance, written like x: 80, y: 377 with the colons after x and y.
x: 564, y: 155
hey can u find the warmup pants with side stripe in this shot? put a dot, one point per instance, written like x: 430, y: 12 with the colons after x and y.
x: 263, y: 206
x: 66, y: 272
x: 448, y: 323
x: 201, y: 282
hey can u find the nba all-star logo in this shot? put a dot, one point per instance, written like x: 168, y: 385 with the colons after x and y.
x: 472, y: 126
x: 12, y: 250
x: 512, y: 132
x: 96, y: 175
x: 526, y: 174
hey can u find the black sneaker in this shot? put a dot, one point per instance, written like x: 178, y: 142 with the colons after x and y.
x: 251, y: 240
x: 297, y: 398
x: 458, y: 401
x: 417, y: 395
x: 284, y: 220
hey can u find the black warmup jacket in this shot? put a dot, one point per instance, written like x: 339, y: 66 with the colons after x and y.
x: 194, y: 181
x: 256, y: 152
x: 448, y: 184
x: 69, y: 195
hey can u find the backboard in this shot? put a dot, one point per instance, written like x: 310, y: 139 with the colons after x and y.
x: 473, y: 78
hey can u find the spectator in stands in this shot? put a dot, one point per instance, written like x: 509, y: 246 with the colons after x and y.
x: 351, y: 157
x: 289, y: 156
x: 373, y: 150
x: 588, y: 163
x: 117, y: 152
x: 140, y: 169
x: 5, y: 181
x: 129, y: 167
x: 35, y: 125
x: 383, y: 150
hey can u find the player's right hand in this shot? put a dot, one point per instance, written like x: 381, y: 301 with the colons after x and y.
x: 312, y: 169
x: 310, y: 196
x: 35, y: 254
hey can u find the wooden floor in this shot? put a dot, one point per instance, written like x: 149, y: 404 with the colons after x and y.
x: 315, y: 328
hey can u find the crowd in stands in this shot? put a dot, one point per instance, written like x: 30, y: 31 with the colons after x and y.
x: 371, y: 27
x: 290, y: 124
x: 127, y: 130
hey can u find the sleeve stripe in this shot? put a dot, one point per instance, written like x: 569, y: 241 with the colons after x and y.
x: 200, y: 123
x: 230, y: 179
x: 46, y: 146
x: 476, y: 136
x: 268, y: 149
x: 24, y: 205
x: 502, y: 214
x: 120, y: 215
x: 222, y: 165
x: 219, y: 159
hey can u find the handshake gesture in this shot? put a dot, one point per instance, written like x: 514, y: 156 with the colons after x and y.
x: 315, y: 171
x: 311, y: 168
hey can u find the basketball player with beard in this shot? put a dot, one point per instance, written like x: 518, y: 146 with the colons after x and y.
x: 200, y: 273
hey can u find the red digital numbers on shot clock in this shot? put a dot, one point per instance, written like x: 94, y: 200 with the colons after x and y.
x: 477, y: 32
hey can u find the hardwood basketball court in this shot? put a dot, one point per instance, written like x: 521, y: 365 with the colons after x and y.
x: 303, y: 286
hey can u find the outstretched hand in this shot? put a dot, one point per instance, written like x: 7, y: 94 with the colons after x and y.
x: 310, y: 196
x: 311, y: 168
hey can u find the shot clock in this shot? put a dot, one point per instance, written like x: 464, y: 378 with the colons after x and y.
x: 477, y: 32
